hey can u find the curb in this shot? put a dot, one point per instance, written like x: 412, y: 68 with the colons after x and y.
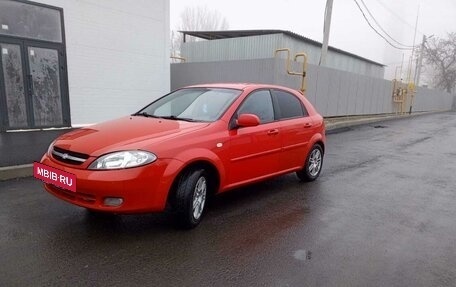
x: 337, y: 127
x: 16, y: 171
x: 342, y: 126
x: 26, y: 170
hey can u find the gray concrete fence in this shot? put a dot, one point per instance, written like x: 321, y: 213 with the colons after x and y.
x: 333, y: 92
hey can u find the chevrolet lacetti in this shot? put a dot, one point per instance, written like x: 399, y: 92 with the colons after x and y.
x: 187, y: 145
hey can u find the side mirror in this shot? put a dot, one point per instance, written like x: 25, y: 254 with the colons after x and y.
x: 248, y: 120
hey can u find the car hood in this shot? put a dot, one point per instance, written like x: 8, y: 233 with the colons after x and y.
x: 133, y: 132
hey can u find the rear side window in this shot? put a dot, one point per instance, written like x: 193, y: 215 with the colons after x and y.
x: 258, y: 103
x: 289, y: 105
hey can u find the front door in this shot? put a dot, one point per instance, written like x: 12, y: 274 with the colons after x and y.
x: 32, y: 85
x: 255, y: 151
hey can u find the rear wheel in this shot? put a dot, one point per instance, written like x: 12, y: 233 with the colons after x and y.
x: 190, y: 199
x: 312, y: 167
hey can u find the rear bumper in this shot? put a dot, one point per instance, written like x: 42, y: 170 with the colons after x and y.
x: 143, y: 189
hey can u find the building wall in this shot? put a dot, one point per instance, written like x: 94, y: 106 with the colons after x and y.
x: 334, y: 59
x: 117, y: 55
x: 244, y: 48
x: 332, y: 92
x: 264, y: 46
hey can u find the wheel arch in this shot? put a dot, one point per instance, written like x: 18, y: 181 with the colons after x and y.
x: 322, y: 144
x: 208, y: 166
x: 320, y: 140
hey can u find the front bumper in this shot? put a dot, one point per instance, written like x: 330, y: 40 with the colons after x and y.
x: 143, y: 189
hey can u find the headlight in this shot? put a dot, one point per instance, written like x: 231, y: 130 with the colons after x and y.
x: 51, y: 146
x: 123, y: 159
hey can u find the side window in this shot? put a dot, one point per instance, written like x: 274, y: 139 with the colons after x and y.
x: 289, y: 105
x: 258, y: 103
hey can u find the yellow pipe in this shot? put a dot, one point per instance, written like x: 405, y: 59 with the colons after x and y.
x: 288, y: 57
x: 289, y: 71
x: 304, y: 69
x: 182, y: 59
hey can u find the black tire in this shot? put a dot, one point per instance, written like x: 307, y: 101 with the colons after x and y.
x: 190, y: 197
x: 313, y: 165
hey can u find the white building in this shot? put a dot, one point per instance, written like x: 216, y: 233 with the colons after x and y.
x: 70, y: 63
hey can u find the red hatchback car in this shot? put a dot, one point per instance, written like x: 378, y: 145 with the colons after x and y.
x: 191, y: 143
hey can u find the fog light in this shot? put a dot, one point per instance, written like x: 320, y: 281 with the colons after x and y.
x: 113, y: 201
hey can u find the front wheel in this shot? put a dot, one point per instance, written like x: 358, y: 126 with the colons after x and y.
x: 312, y: 167
x: 190, y: 197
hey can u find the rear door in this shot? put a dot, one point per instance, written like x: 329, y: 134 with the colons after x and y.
x: 296, y: 128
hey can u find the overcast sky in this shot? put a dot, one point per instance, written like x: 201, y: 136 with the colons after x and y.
x: 349, y: 31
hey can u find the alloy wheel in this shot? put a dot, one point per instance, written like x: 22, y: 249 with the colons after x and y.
x: 199, y: 197
x: 315, y: 162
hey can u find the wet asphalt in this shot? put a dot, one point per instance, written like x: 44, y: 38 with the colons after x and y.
x: 383, y: 213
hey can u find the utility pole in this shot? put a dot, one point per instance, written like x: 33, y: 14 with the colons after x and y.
x: 327, y: 25
x: 409, y: 74
x: 412, y: 86
x: 420, y: 61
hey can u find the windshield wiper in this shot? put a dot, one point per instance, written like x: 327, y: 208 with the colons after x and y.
x: 147, y: 115
x: 178, y: 118
x: 144, y: 114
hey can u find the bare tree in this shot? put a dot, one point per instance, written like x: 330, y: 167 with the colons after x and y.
x: 440, y: 56
x: 198, y: 18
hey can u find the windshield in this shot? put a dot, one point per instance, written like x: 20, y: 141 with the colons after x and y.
x: 192, y: 104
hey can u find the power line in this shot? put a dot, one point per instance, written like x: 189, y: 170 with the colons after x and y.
x: 397, y: 16
x: 375, y: 30
x: 381, y: 28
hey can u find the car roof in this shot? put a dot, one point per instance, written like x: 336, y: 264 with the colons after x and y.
x: 239, y: 86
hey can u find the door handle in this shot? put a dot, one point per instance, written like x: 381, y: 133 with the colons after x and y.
x: 273, y: 132
x: 307, y: 125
